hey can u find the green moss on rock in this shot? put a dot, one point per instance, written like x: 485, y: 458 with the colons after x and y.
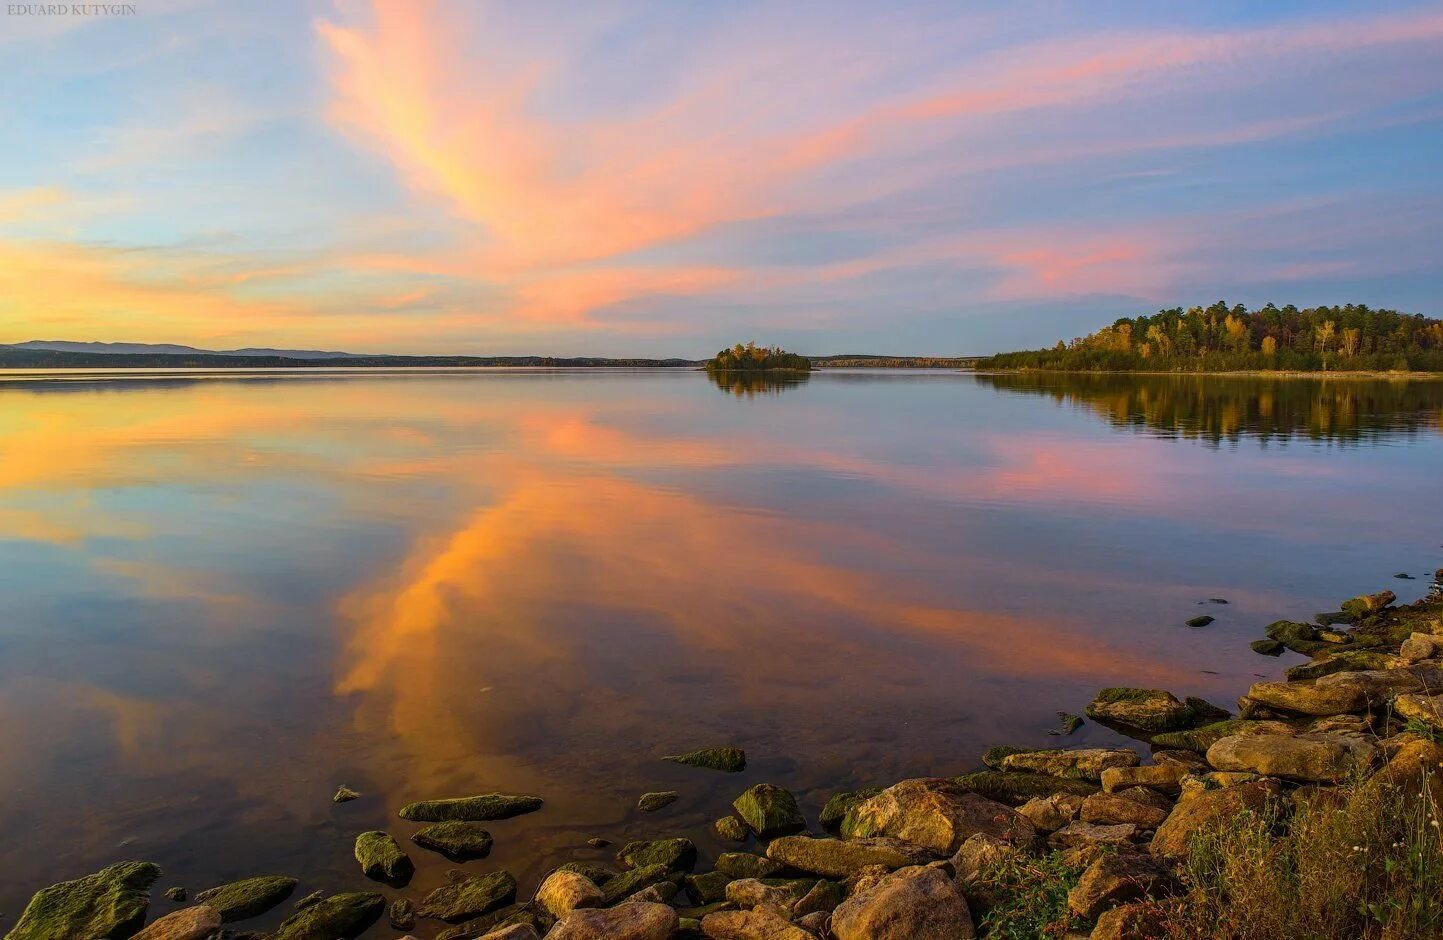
x: 841, y: 803
x: 997, y: 753
x: 1346, y: 661
x: 747, y: 865
x: 508, y: 916
x: 471, y: 808
x: 596, y: 874
x: 455, y: 839
x: 1017, y: 788
x: 627, y: 883
x: 339, y: 916
x: 651, y: 802
x: 726, y: 759
x: 675, y: 854
x: 1150, y: 710
x: 708, y: 888
x: 249, y: 897
x: 730, y: 828
x: 381, y: 858
x: 110, y: 903
x: 469, y: 896
x: 769, y: 810
x: 1199, y: 740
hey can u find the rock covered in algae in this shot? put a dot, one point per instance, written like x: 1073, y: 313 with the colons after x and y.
x: 727, y: 759
x: 769, y: 810
x: 471, y: 808
x: 249, y: 897
x: 110, y: 903
x: 455, y: 839
x: 339, y: 916
x: 675, y: 854
x: 651, y: 802
x: 381, y: 857
x: 469, y: 896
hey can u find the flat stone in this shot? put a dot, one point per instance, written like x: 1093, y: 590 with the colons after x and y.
x: 675, y: 854
x: 1200, y: 739
x: 761, y: 924
x: 471, y: 808
x: 639, y: 920
x: 249, y: 897
x: 1112, y: 808
x: 512, y: 932
x: 455, y: 839
x: 835, y: 858
x: 1146, y: 709
x: 1165, y: 778
x: 1307, y: 698
x: 344, y: 916
x: 1114, y: 879
x: 1083, y: 833
x: 651, y: 802
x: 469, y: 896
x: 1319, y: 758
x: 627, y: 883
x: 909, y: 904
x: 111, y: 902
x: 1016, y: 788
x: 726, y: 759
x: 935, y: 813
x: 191, y: 923
x: 564, y: 891
x: 747, y: 865
x: 769, y: 810
x: 1077, y: 764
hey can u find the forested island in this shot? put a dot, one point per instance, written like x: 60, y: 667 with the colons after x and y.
x: 749, y: 357
x: 1220, y: 338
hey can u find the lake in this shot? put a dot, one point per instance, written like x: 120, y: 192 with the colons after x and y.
x: 224, y: 595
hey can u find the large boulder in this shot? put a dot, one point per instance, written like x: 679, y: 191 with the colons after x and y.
x: 1318, y: 758
x: 835, y: 858
x: 1205, y: 811
x: 110, y: 903
x: 469, y: 896
x: 769, y: 810
x: 471, y: 808
x: 1145, y: 709
x: 190, y: 923
x: 1078, y: 764
x: 637, y: 920
x: 1113, y: 879
x: 909, y: 904
x: 564, y: 891
x: 381, y: 858
x: 760, y: 924
x: 1311, y: 697
x: 338, y: 916
x: 935, y: 813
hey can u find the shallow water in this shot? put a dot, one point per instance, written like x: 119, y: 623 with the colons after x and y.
x: 221, y: 596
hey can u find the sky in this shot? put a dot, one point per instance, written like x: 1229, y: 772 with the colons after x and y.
x: 667, y: 178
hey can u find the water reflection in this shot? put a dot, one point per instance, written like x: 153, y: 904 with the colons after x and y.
x: 1217, y: 409
x: 754, y: 383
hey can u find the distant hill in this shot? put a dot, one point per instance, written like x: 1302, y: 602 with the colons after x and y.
x: 172, y: 349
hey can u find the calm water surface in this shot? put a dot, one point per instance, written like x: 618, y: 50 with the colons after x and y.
x: 222, y: 596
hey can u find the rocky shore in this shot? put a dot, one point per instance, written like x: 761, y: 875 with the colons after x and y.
x: 1342, y: 756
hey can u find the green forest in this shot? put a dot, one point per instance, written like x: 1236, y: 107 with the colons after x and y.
x: 1220, y: 338
x: 749, y: 357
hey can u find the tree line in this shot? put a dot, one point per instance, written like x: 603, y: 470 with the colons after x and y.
x: 749, y: 357
x: 1220, y: 338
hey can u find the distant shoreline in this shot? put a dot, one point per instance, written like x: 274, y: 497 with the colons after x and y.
x: 1251, y: 373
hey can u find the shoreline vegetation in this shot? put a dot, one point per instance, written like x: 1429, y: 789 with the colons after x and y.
x: 1353, y: 339
x: 1310, y: 809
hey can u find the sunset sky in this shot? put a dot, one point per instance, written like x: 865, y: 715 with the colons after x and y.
x: 662, y: 179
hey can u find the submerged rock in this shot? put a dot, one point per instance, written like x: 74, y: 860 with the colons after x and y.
x: 997, y: 753
x: 1267, y: 647
x: 471, y: 808
x: 249, y: 897
x: 1069, y: 724
x: 726, y: 759
x: 1202, y: 621
x: 344, y: 916
x: 345, y: 794
x: 402, y: 914
x: 1078, y: 764
x: 455, y: 840
x: 1298, y: 637
x: 1017, y: 788
x: 176, y: 894
x: 935, y: 813
x: 381, y: 858
x: 1145, y: 709
x: 769, y: 810
x: 909, y: 904
x: 469, y: 896
x: 110, y: 903
x: 675, y: 854
x: 651, y: 802
x: 835, y: 858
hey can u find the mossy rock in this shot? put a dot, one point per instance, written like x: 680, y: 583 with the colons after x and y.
x: 110, y: 903
x: 1367, y: 605
x: 338, y: 916
x: 1068, y: 723
x: 508, y: 916
x: 675, y: 854
x: 471, y: 808
x: 249, y: 897
x: 731, y: 828
x: 1267, y: 647
x: 1199, y: 740
x: 402, y: 914
x: 651, y: 802
x: 469, y: 896
x: 1298, y: 637
x: 997, y: 753
x: 345, y: 794
x: 1017, y: 788
x: 596, y: 874
x: 1150, y: 710
x: 746, y: 865
x: 1205, y: 712
x: 769, y: 810
x: 841, y: 803
x: 1199, y: 621
x: 726, y: 759
x: 624, y: 885
x: 1346, y: 661
x: 381, y: 858
x: 456, y: 840
x: 708, y: 888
